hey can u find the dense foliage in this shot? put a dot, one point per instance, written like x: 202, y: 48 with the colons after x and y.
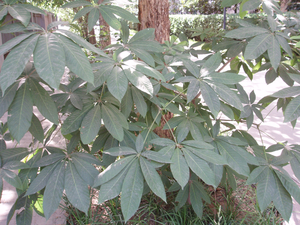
x: 109, y: 110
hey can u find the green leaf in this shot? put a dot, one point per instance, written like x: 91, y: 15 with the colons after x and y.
x: 33, y: 9
x: 292, y: 110
x: 76, y: 101
x: 118, y: 151
x: 282, y: 200
x: 287, y: 92
x: 132, y: 190
x: 73, y: 122
x: 109, y: 17
x: 266, y: 190
x: 156, y: 156
x: 13, y: 154
x: 112, y: 170
x: 41, y: 180
x: 18, y: 12
x: 211, y: 64
x: 49, y: 59
x: 139, y: 101
x: 82, y: 12
x: 179, y: 168
x: 79, y: 40
x: 210, y: 98
x: 13, y: 42
x: 140, y: 81
x: 54, y: 190
x: 143, y: 35
x: 20, y: 113
x: 25, y: 216
x: 191, y: 66
x: 76, y: 189
x: 124, y: 14
x: 76, y: 60
x: 148, y: 46
x: 152, y: 178
x: 257, y: 174
x: 227, y: 95
x: 227, y: 3
x: 289, y: 184
x: 235, y: 160
x: 246, y: 32
x: 274, y: 52
x: 90, y: 125
x: 196, y: 200
x: 200, y: 168
x: 86, y: 171
x: 75, y: 4
x: 86, y: 157
x: 7, y: 98
x: 117, y: 83
x: 193, y: 90
x: 226, y: 78
x: 43, y: 101
x: 163, y: 141
x: 111, y: 122
x: 284, y: 44
x: 11, y: 178
x: 258, y: 45
x: 251, y: 5
x: 49, y: 159
x: 36, y: 129
x: 3, y: 12
x: 208, y: 155
x: 112, y: 188
x: 20, y: 55
x: 93, y: 18
x: 12, y: 28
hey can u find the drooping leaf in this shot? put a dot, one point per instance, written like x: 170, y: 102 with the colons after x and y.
x: 20, y: 112
x: 292, y: 110
x: 76, y: 60
x: 112, y: 170
x: 132, y: 190
x: 76, y: 189
x: 90, y: 125
x: 7, y: 98
x: 117, y: 83
x: 13, y: 42
x: 274, y: 52
x: 43, y: 101
x: 124, y: 14
x: 19, y: 55
x: 200, y: 168
x: 180, y: 168
x: 11, y: 178
x: 93, y: 18
x: 49, y: 59
x: 193, y: 90
x: 196, y: 200
x: 152, y: 178
x: 210, y: 98
x: 258, y: 46
x: 54, y: 190
x: 139, y: 101
x: 109, y: 17
x: 41, y: 180
x: 36, y: 129
x: 73, y: 122
x: 18, y: 12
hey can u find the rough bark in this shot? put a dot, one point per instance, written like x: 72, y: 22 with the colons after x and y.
x: 284, y: 4
x: 155, y: 14
x: 104, y: 37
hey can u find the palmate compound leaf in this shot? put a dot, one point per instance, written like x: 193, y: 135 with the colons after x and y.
x: 49, y: 59
x: 43, y: 101
x: 20, y: 112
x: 19, y: 55
x: 90, y: 125
x: 180, y: 168
x: 54, y: 190
x: 76, y: 189
x: 76, y: 60
x: 152, y: 178
x: 132, y: 190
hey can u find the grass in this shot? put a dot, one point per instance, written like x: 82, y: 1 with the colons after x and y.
x: 230, y: 208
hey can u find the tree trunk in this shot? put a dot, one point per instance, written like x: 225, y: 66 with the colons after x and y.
x: 104, y: 36
x: 155, y: 14
x: 284, y: 4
